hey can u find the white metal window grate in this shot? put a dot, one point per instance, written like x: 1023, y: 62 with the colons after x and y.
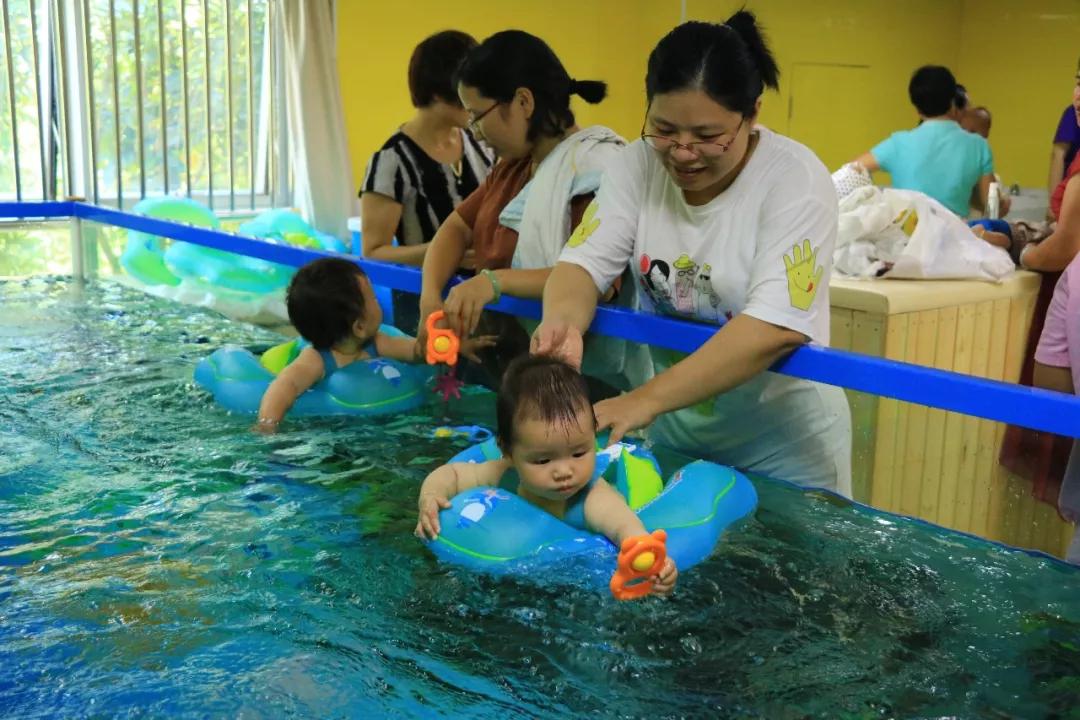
x: 115, y: 100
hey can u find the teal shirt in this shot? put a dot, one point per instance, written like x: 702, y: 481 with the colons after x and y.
x: 938, y: 158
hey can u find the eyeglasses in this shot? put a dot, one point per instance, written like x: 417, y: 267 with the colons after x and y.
x: 475, y: 121
x: 701, y: 149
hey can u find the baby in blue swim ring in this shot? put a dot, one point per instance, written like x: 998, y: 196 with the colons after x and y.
x: 332, y: 304
x: 546, y: 431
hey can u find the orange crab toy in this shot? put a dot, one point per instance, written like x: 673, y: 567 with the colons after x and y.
x: 640, y: 558
x: 442, y: 344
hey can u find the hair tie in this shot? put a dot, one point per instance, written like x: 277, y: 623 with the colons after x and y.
x: 573, y: 86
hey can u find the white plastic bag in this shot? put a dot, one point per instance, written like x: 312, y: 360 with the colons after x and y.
x: 944, y: 247
x: 906, y: 234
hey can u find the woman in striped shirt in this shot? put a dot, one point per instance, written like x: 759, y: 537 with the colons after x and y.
x: 425, y: 169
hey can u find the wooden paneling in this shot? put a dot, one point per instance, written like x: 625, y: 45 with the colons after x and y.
x: 936, y: 465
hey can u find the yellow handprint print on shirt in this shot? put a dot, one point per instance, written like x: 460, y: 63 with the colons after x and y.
x: 588, y: 226
x: 803, y: 275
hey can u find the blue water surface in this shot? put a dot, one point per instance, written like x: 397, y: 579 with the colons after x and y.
x: 158, y: 559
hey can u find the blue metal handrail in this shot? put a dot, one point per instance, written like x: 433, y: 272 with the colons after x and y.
x: 979, y: 397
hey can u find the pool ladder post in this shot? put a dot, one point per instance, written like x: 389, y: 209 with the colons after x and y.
x: 78, y: 258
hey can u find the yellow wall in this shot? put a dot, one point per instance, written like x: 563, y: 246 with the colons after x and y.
x: 1019, y: 59
x: 376, y: 39
x: 844, y: 64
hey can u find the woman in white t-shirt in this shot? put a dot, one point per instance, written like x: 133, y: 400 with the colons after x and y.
x: 726, y: 223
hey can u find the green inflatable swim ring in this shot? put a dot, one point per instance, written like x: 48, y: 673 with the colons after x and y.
x: 144, y: 256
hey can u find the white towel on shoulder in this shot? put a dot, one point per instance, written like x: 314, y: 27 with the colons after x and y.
x: 541, y: 211
x: 541, y: 216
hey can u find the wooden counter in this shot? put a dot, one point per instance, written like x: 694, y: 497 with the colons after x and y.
x: 937, y: 465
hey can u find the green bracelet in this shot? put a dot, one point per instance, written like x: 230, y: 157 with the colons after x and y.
x: 490, y: 275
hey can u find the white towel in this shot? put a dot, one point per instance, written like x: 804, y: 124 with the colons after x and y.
x: 540, y: 214
x: 541, y: 211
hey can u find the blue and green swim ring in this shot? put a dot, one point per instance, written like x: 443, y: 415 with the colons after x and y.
x: 144, y: 255
x: 237, y: 379
x: 247, y: 274
x: 493, y: 530
x: 153, y: 261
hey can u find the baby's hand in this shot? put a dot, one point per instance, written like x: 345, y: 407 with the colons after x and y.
x: 470, y: 346
x: 265, y: 426
x: 664, y: 581
x: 427, y: 525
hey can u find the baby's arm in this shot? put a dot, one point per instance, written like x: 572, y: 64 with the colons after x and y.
x: 447, y: 481
x: 993, y: 237
x: 607, y: 513
x: 298, y: 376
x: 402, y: 348
x: 471, y: 345
x: 406, y: 349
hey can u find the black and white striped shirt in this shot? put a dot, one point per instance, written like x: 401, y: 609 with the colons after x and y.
x: 427, y: 190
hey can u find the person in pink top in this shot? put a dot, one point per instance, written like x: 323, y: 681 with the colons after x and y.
x: 1057, y: 367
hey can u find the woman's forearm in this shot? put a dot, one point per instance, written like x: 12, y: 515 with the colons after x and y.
x: 523, y: 283
x: 444, y: 255
x: 1057, y: 168
x: 403, y: 254
x: 570, y: 297
x: 1057, y: 251
x: 740, y: 350
x: 1052, y: 254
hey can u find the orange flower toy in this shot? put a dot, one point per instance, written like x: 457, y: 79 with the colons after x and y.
x: 442, y: 347
x: 442, y: 343
x: 640, y: 558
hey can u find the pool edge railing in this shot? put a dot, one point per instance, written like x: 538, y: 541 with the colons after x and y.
x: 942, y: 389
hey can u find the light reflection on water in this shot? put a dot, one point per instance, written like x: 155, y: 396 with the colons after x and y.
x: 157, y: 558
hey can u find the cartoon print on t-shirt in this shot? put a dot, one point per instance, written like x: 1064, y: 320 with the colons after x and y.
x: 803, y: 274
x: 654, y: 278
x: 684, y: 284
x: 708, y: 302
x: 588, y: 226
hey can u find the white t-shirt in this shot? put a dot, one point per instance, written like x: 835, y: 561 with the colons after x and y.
x: 762, y: 247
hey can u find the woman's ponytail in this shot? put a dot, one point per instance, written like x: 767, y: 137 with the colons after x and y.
x: 745, y: 26
x: 591, y: 91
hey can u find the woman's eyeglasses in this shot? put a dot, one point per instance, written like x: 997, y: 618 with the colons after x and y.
x: 475, y: 120
x: 701, y: 149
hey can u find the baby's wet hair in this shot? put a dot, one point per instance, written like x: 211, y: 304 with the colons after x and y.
x: 324, y: 301
x: 540, y: 387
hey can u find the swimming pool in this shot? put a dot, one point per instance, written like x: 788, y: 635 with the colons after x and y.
x: 157, y: 558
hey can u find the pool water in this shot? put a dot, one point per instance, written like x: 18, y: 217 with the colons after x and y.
x: 159, y: 559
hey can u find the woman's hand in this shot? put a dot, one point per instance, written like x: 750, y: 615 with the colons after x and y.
x: 562, y: 341
x: 465, y: 303
x: 427, y: 525
x: 1005, y: 204
x: 428, y: 305
x: 629, y: 411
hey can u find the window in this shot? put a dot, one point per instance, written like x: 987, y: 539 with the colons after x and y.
x: 115, y: 100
